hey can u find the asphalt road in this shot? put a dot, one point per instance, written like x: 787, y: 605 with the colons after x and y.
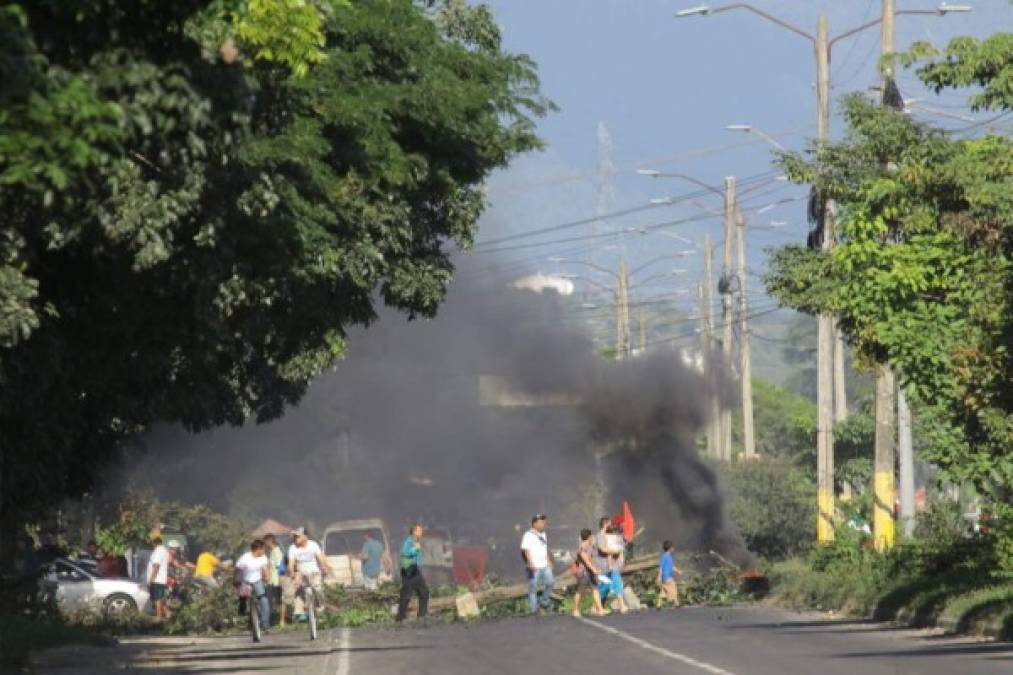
x: 693, y: 641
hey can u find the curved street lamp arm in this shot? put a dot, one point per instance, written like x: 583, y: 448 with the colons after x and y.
x: 765, y: 15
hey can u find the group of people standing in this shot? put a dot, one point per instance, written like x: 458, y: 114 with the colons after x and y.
x: 597, y: 567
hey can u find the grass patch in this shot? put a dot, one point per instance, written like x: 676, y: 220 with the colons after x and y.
x: 984, y: 609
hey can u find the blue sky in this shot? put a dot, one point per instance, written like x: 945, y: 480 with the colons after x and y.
x: 666, y: 88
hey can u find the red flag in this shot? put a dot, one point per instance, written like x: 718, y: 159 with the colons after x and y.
x: 626, y: 522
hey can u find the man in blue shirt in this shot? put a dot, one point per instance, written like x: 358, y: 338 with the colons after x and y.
x: 666, y: 576
x: 412, y: 580
x: 370, y: 555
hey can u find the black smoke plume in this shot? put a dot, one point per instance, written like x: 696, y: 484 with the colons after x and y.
x: 407, y: 428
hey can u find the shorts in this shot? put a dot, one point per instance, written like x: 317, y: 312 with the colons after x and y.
x: 585, y: 582
x: 287, y: 590
x: 157, y: 591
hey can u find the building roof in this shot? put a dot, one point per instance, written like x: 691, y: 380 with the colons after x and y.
x: 270, y: 526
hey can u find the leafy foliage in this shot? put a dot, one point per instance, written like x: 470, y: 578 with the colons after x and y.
x: 969, y: 62
x: 187, y: 238
x: 921, y: 276
x: 772, y: 503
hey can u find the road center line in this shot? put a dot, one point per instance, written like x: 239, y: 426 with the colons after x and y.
x: 344, y: 653
x: 644, y: 644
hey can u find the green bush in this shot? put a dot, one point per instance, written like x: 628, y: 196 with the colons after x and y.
x: 773, y: 504
x: 213, y: 611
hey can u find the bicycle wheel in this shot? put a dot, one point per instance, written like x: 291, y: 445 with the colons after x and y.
x: 254, y: 618
x: 311, y: 612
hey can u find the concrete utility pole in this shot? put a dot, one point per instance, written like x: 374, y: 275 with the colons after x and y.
x: 726, y: 311
x: 712, y: 374
x: 643, y: 330
x: 745, y: 353
x: 623, y: 313
x: 824, y: 322
x: 905, y: 451
x: 883, y: 487
x: 840, y: 384
x: 886, y: 455
x: 705, y: 362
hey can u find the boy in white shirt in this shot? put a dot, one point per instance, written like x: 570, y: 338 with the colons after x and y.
x: 253, y: 569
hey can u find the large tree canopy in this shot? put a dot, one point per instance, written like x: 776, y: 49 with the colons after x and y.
x: 198, y: 198
x: 922, y: 276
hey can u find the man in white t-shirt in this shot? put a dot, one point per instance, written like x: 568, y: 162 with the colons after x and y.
x: 158, y: 577
x: 253, y: 569
x: 305, y: 565
x: 535, y: 549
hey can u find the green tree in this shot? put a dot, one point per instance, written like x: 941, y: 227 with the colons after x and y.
x: 187, y: 237
x: 772, y: 502
x: 921, y: 277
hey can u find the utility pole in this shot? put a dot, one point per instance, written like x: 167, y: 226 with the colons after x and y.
x: 840, y: 384
x: 715, y: 416
x: 883, y: 483
x: 623, y: 313
x: 705, y: 362
x: 643, y: 330
x: 883, y: 488
x: 825, y: 327
x: 726, y: 311
x: 905, y: 451
x: 745, y: 353
x: 824, y: 322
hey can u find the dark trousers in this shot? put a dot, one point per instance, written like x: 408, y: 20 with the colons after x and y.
x: 414, y: 584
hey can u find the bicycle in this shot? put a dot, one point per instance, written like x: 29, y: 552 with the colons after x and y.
x: 246, y: 592
x: 310, y: 601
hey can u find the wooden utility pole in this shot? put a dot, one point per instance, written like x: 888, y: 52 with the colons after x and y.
x: 712, y: 375
x: 726, y: 313
x: 746, y: 358
x: 886, y: 455
x: 824, y: 322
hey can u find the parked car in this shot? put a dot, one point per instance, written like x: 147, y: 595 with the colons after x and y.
x: 342, y: 543
x: 77, y: 587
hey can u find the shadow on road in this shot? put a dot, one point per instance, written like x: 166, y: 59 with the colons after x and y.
x: 999, y: 651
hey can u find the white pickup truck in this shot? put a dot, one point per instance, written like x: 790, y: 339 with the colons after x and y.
x: 342, y: 544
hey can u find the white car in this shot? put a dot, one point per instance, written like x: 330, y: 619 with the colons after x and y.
x: 77, y: 587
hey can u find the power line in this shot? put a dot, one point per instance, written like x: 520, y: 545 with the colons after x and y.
x: 607, y: 216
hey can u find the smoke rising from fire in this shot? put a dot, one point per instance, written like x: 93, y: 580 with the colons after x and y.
x: 408, y: 428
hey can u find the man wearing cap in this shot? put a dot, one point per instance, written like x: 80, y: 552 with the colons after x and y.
x: 306, y: 562
x: 535, y: 549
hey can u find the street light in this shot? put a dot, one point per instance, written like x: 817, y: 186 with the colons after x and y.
x: 749, y: 129
x: 653, y: 173
x: 701, y: 9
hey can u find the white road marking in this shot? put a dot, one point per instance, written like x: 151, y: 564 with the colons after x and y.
x: 644, y: 644
x: 345, y: 656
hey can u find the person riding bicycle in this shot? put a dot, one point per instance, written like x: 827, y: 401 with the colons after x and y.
x: 305, y: 565
x: 252, y: 569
